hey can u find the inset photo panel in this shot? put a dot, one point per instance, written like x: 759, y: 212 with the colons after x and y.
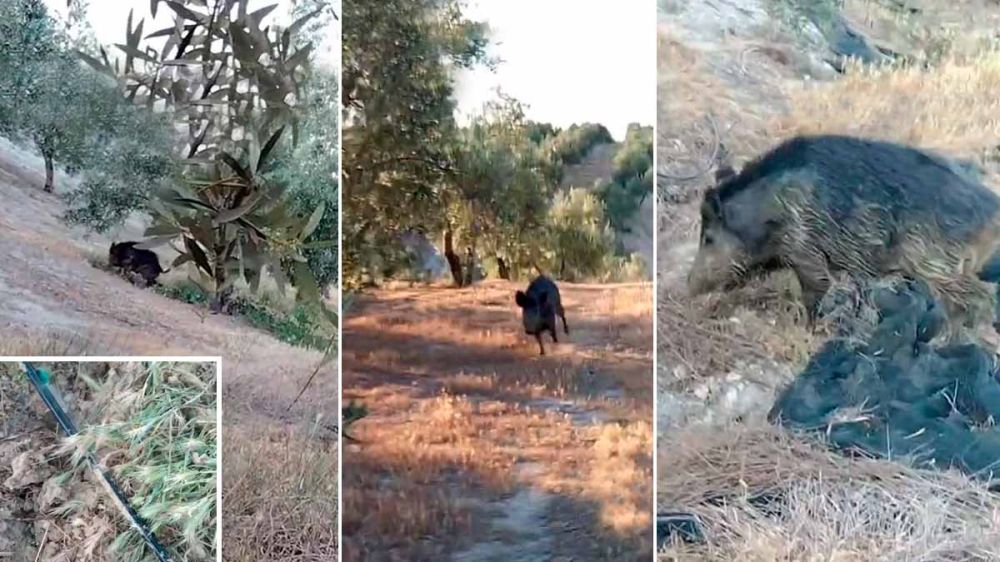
x: 498, y: 280
x: 110, y: 459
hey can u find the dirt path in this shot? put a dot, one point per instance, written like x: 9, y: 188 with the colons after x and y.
x: 54, y: 301
x: 477, y: 449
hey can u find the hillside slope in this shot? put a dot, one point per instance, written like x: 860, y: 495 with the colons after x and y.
x: 595, y: 170
x: 54, y: 301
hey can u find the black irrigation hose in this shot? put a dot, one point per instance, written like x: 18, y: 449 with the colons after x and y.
x: 70, y: 429
x: 676, y: 525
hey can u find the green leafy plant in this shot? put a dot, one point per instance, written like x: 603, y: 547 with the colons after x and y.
x: 300, y: 327
x: 310, y: 171
x: 580, y: 236
x: 68, y: 112
x: 232, y: 226
x: 157, y: 433
x: 221, y: 72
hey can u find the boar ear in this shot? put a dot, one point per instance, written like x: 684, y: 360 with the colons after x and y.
x: 521, y: 299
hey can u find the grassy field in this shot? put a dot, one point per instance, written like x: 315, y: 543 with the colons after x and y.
x: 478, y: 448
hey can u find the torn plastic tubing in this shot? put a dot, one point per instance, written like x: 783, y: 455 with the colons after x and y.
x: 672, y: 525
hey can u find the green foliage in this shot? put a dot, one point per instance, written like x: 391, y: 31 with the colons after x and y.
x: 185, y: 291
x: 221, y: 74
x: 502, y: 193
x: 573, y: 144
x: 27, y: 39
x: 632, y: 178
x: 309, y: 173
x: 72, y: 115
x: 303, y: 326
x: 122, y: 171
x: 538, y: 133
x: 233, y: 226
x: 399, y: 130
x: 241, y: 75
x: 635, y: 158
x: 158, y: 436
x: 317, y: 17
x: 579, y: 235
x: 228, y: 77
x: 489, y: 189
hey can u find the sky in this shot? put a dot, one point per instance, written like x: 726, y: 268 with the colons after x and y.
x: 108, y: 17
x: 571, y: 61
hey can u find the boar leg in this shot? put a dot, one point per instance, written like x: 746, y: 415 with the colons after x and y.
x: 814, y: 282
x: 541, y: 346
x: 562, y: 314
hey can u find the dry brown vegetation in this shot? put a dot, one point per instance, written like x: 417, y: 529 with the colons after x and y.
x: 711, y: 442
x: 477, y: 447
x: 827, y: 507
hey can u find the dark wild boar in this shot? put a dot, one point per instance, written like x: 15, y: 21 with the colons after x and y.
x: 825, y: 204
x: 136, y: 262
x: 539, y: 306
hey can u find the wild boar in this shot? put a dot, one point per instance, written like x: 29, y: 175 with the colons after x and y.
x: 539, y: 306
x: 139, y: 264
x: 829, y: 203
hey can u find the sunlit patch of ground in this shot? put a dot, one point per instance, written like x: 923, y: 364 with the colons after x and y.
x: 478, y: 448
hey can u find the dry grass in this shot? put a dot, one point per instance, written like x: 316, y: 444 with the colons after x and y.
x: 620, y: 474
x: 715, y: 333
x: 937, y: 29
x: 48, y: 290
x: 461, y: 420
x: 408, y: 480
x: 831, y: 507
x: 952, y: 107
x: 280, y: 500
x: 47, y: 345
